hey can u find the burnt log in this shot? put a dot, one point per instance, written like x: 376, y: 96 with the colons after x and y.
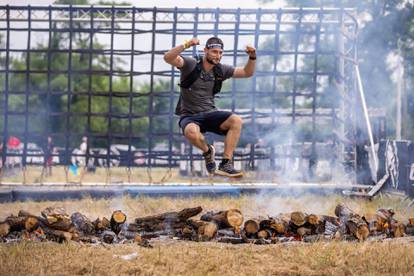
x: 82, y: 224
x: 57, y: 235
x: 108, y: 236
x: 409, y: 230
x: 172, y: 221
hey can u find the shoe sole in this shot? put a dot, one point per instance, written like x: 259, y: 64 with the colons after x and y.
x: 221, y: 173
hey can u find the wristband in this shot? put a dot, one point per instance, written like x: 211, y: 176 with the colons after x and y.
x: 252, y: 58
x: 186, y: 44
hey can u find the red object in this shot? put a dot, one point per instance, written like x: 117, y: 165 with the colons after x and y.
x: 13, y: 142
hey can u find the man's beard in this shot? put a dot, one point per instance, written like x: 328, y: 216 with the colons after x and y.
x: 211, y: 61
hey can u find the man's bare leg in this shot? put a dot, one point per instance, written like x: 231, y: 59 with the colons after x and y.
x: 195, y: 137
x: 234, y: 125
x: 193, y: 134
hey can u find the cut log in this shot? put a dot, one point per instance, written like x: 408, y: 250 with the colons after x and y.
x: 298, y: 218
x: 331, y: 219
x: 343, y: 211
x: 101, y: 224
x: 409, y: 230
x: 302, y: 231
x: 4, y: 229
x: 354, y: 223
x: 16, y: 223
x: 398, y: 229
x: 265, y: 234
x: 172, y: 221
x: 313, y: 219
x: 207, y: 231
x: 108, y: 236
x: 57, y: 218
x: 278, y: 224
x: 57, y: 235
x: 82, y: 224
x: 224, y: 219
x: 251, y: 227
x: 118, y: 218
x: 31, y: 221
x: 129, y: 235
x: 330, y: 228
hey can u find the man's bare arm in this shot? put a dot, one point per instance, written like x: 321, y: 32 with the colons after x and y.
x: 249, y: 68
x: 173, y: 56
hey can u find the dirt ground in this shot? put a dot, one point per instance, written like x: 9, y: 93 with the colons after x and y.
x: 174, y: 257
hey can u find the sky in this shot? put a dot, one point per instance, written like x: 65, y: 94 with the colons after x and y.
x: 245, y: 4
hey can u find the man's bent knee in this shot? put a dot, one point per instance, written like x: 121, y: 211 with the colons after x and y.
x: 236, y: 121
x: 192, y: 131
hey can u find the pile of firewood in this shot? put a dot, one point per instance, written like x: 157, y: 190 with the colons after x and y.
x: 229, y: 226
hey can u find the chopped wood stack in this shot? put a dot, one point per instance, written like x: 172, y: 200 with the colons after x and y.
x: 227, y: 226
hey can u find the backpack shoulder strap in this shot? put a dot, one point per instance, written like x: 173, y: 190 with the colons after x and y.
x: 218, y: 78
x: 193, y: 76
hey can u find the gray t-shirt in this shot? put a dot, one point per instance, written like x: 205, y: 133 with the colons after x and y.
x: 199, y: 97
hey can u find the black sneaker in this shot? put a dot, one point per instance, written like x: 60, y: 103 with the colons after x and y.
x: 227, y: 169
x: 210, y: 159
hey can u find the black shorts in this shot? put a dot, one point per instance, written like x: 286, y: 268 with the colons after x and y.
x: 208, y: 122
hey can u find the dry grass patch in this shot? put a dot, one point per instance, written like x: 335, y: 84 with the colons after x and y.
x: 33, y: 174
x: 188, y: 258
x: 209, y: 258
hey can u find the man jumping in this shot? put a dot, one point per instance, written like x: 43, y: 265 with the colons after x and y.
x: 200, y: 80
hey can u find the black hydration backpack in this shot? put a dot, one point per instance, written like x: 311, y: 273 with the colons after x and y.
x: 195, y: 74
